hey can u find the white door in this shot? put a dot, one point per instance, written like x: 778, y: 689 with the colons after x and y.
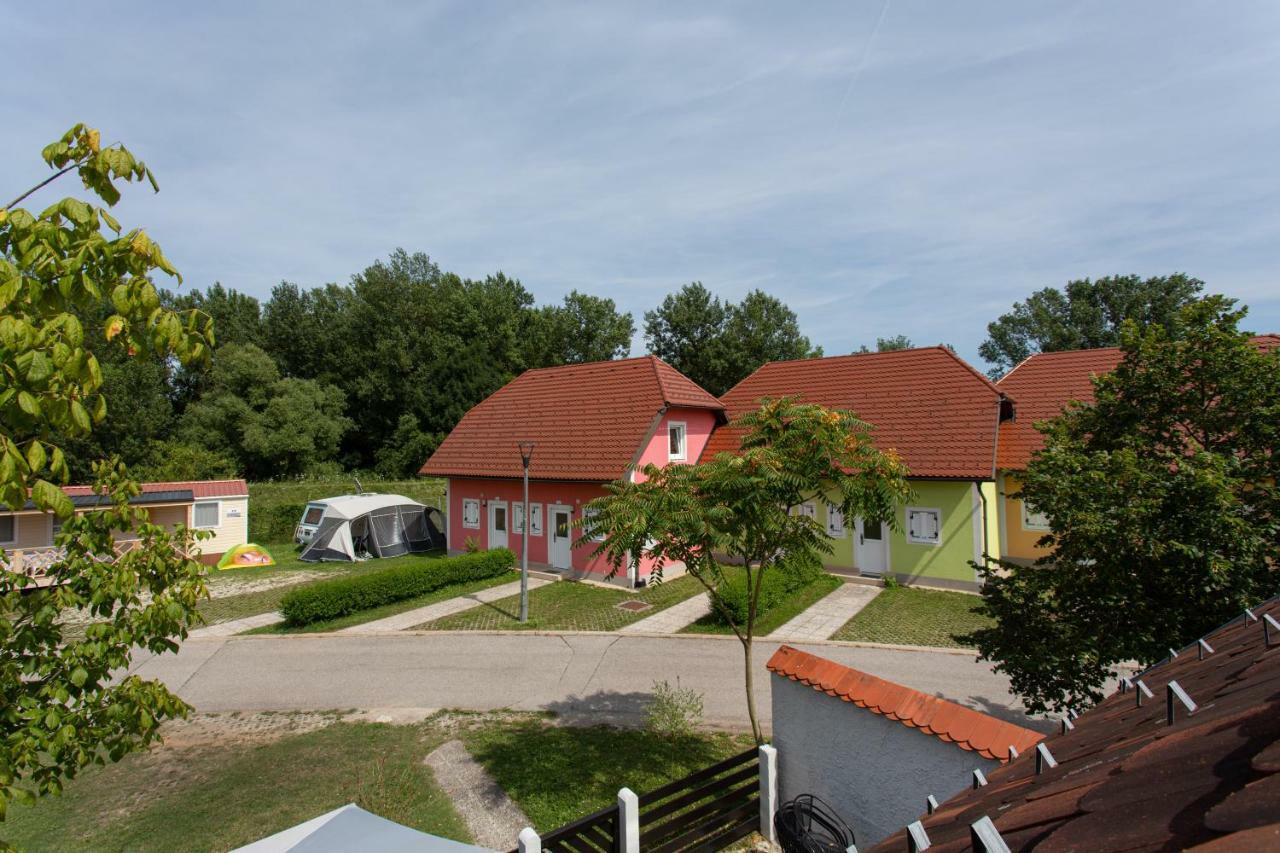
x: 870, y: 547
x: 559, y: 551
x: 499, y: 522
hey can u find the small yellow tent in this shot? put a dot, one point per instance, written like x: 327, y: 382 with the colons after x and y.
x: 246, y: 557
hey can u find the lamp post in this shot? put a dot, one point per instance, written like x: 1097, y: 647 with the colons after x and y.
x: 526, y: 454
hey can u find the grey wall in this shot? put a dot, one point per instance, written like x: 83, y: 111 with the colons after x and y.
x: 875, y: 772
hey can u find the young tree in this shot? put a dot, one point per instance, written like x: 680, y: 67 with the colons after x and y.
x: 67, y: 702
x: 1164, y: 508
x: 1088, y: 314
x: 743, y: 507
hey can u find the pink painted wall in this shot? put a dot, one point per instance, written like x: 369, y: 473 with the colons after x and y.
x: 698, y: 426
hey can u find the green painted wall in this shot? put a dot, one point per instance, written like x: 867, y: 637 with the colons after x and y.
x: 961, y: 533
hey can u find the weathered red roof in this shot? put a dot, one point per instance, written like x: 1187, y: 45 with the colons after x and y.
x: 927, y: 404
x: 1046, y: 383
x: 945, y: 720
x: 198, y: 488
x: 1126, y: 779
x: 587, y: 421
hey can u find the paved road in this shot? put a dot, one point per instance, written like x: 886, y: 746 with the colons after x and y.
x: 583, y: 677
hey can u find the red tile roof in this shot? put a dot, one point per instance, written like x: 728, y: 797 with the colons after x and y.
x: 1046, y: 383
x: 587, y: 421
x: 927, y: 404
x: 1128, y: 780
x: 198, y: 488
x: 966, y: 728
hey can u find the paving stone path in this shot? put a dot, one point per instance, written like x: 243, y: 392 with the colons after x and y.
x: 827, y: 615
x: 492, y: 817
x: 441, y: 609
x: 237, y: 626
x: 672, y: 619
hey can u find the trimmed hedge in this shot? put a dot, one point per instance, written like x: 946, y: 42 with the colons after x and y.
x: 326, y: 600
x: 780, y: 582
x: 274, y: 523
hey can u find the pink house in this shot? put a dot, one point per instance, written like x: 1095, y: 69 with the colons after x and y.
x: 590, y: 424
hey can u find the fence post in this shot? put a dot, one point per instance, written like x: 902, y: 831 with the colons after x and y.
x: 768, y: 791
x: 528, y: 841
x: 628, y: 821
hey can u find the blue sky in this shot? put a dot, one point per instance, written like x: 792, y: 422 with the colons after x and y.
x: 888, y: 168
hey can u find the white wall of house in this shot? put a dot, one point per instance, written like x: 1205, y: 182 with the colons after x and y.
x: 873, y: 771
x: 31, y: 530
x: 233, y: 524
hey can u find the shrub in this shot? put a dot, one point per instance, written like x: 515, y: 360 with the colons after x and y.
x: 333, y: 599
x: 674, y: 712
x: 780, y: 581
x: 274, y: 523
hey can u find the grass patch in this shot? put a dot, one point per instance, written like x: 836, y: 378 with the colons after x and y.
x: 387, y: 609
x: 226, y: 794
x: 771, y: 620
x: 915, y: 617
x: 557, y: 774
x: 569, y: 606
x: 228, y: 607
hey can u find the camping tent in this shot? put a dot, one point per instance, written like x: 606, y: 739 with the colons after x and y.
x: 353, y: 828
x: 353, y: 527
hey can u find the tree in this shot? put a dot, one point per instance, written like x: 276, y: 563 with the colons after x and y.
x: 718, y: 345
x: 1163, y: 505
x: 1089, y: 314
x: 173, y: 459
x: 897, y: 342
x: 68, y: 700
x: 272, y: 426
x: 584, y: 328
x: 743, y: 507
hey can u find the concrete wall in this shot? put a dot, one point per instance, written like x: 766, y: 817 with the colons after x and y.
x: 875, y: 772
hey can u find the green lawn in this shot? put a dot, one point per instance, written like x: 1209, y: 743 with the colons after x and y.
x: 226, y: 608
x: 226, y: 793
x: 557, y: 774
x: 569, y: 606
x: 224, y: 785
x: 915, y: 617
x: 388, y: 609
x: 771, y: 620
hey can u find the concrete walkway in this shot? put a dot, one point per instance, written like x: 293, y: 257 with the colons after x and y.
x: 431, y: 612
x: 828, y: 615
x: 237, y: 626
x: 672, y: 619
x: 584, y: 678
x: 492, y: 817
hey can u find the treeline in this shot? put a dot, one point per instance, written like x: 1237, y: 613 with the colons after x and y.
x: 373, y: 374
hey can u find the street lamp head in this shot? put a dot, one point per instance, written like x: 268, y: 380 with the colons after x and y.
x: 526, y: 451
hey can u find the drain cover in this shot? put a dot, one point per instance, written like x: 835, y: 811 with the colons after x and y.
x: 634, y: 605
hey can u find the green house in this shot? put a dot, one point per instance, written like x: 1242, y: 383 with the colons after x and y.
x: 937, y: 413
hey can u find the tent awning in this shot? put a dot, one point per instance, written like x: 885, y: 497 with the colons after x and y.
x: 352, y: 828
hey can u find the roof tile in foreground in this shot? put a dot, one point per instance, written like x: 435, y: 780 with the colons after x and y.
x: 966, y: 728
x: 1126, y: 778
x: 587, y: 421
x: 927, y: 404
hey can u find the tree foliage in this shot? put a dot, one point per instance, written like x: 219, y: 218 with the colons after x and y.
x: 743, y: 507
x: 897, y: 342
x: 719, y: 344
x: 61, y: 708
x: 1087, y: 314
x: 1164, y: 509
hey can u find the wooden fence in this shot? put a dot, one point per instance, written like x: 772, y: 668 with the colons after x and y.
x: 705, y: 811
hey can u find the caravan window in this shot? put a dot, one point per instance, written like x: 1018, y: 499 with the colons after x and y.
x: 314, y: 514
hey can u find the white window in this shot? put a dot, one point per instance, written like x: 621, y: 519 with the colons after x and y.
x: 471, y: 513
x: 1032, y: 520
x: 835, y: 522
x: 588, y: 522
x: 676, y: 438
x: 808, y: 509
x: 206, y: 515
x: 924, y: 526
x: 8, y: 529
x: 517, y: 518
